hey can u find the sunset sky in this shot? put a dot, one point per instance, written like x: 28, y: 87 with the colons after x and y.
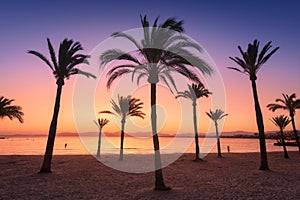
x: 219, y: 26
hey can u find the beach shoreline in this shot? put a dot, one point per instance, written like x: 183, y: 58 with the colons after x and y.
x: 236, y: 176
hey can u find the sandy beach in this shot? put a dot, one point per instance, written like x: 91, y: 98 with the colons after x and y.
x: 236, y: 176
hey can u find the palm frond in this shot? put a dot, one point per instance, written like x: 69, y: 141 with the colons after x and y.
x: 289, y: 102
x: 115, y: 75
x: 160, y: 45
x: 52, y: 54
x: 117, y: 54
x: 78, y: 71
x: 10, y: 111
x: 42, y: 57
x: 106, y: 112
x: 216, y: 115
x: 129, y: 37
x: 251, y: 60
x: 281, y: 121
x: 64, y: 67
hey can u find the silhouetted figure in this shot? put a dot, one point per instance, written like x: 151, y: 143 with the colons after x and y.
x: 228, y: 149
x: 66, y: 145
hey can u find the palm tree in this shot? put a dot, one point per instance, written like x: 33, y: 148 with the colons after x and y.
x: 251, y: 62
x: 62, y: 68
x: 282, y: 121
x: 216, y: 116
x: 7, y: 110
x: 195, y: 92
x: 126, y: 107
x: 161, y: 51
x: 289, y: 103
x: 100, y: 124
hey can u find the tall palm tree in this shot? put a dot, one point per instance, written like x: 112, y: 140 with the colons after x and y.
x: 194, y: 92
x: 282, y: 121
x: 100, y: 123
x: 251, y: 62
x: 62, y: 68
x: 161, y: 52
x: 10, y: 111
x: 216, y: 116
x: 126, y: 107
x: 289, y: 103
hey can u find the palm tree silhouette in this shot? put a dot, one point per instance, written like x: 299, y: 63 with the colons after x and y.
x: 289, y: 103
x: 100, y: 123
x: 195, y: 92
x: 216, y: 116
x: 282, y: 121
x: 10, y: 111
x: 161, y: 51
x: 126, y: 107
x: 251, y: 62
x: 62, y: 69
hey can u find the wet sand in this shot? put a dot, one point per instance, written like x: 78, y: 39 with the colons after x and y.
x: 236, y: 176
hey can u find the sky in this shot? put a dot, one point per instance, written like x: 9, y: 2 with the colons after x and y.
x: 219, y: 26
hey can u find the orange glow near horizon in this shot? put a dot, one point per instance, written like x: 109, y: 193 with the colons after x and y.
x: 35, y: 92
x: 38, y: 105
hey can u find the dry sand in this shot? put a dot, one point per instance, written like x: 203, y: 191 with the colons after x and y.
x: 236, y: 176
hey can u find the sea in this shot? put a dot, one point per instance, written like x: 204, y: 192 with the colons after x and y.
x: 78, y: 145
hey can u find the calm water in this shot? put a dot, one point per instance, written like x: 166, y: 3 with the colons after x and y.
x: 132, y: 145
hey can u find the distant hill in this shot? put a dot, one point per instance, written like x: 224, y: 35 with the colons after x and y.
x: 230, y: 134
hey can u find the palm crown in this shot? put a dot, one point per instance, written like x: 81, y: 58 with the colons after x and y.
x: 161, y: 52
x: 289, y: 103
x: 101, y: 122
x: 67, y: 61
x: 127, y: 106
x: 251, y: 60
x: 281, y: 121
x: 216, y: 115
x: 194, y: 92
x: 7, y: 110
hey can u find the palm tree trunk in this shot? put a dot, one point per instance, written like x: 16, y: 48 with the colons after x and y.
x: 261, y: 131
x: 196, y: 132
x: 99, y: 143
x: 122, y: 139
x: 218, y: 140
x: 159, y: 180
x: 46, y: 167
x: 283, y: 144
x: 295, y: 131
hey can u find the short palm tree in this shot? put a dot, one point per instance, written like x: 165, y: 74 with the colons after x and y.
x: 281, y: 122
x: 125, y: 107
x: 62, y: 68
x: 100, y: 123
x: 10, y: 111
x: 194, y: 92
x: 251, y: 62
x: 289, y: 103
x: 216, y: 116
x: 162, y: 51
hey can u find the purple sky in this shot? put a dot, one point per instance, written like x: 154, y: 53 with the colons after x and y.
x: 217, y: 25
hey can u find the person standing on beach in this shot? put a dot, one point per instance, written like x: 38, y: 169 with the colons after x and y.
x: 228, y: 149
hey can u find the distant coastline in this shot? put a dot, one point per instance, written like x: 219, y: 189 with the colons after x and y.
x: 236, y: 134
